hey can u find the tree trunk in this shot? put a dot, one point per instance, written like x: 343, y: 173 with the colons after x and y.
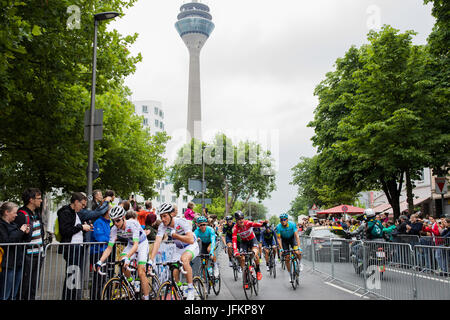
x: 392, y: 192
x: 409, y: 192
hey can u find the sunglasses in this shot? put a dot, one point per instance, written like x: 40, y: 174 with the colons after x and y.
x: 283, y: 219
x: 203, y: 225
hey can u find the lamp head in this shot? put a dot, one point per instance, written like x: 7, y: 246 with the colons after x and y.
x: 105, y: 15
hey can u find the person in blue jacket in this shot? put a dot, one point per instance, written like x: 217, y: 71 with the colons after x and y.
x: 90, y: 216
x: 101, y: 233
x: 207, y: 235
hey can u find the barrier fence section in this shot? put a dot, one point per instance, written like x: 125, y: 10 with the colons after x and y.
x: 403, y: 270
x: 65, y: 271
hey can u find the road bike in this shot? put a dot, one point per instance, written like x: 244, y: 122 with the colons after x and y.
x: 249, y: 279
x: 295, y: 267
x: 119, y: 288
x: 272, y: 262
x: 207, y: 273
x: 171, y: 290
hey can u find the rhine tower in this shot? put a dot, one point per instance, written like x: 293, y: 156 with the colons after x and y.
x: 194, y: 26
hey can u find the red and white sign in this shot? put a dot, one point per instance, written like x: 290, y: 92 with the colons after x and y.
x: 441, y: 185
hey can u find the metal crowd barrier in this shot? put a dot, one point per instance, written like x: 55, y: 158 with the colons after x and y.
x: 390, y: 270
x: 65, y: 271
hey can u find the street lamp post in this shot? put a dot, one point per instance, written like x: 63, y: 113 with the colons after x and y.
x: 97, y: 17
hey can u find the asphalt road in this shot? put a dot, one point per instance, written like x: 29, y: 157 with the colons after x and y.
x: 312, y: 286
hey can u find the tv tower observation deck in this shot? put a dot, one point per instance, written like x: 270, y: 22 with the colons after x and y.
x: 194, y: 26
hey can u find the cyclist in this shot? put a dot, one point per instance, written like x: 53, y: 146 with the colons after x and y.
x: 268, y: 243
x: 132, y: 231
x: 374, y: 230
x: 287, y: 236
x: 227, y: 233
x: 244, y: 229
x: 207, y: 235
x: 185, y: 241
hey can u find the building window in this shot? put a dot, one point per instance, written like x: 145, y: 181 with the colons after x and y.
x: 156, y: 110
x: 163, y: 198
x: 162, y: 114
x: 156, y: 123
x: 185, y: 199
x: 145, y: 122
x: 144, y: 109
x: 174, y: 199
x: 161, y: 125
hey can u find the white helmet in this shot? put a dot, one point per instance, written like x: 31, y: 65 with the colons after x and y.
x: 369, y: 213
x: 165, y: 208
x: 117, y: 212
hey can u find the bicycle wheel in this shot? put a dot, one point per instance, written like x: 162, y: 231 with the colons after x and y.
x: 293, y: 273
x: 254, y: 280
x: 167, y: 292
x: 154, y: 284
x: 273, y: 265
x: 205, y: 278
x: 216, y: 284
x: 246, y: 283
x: 235, y: 270
x: 115, y: 289
x: 200, y: 292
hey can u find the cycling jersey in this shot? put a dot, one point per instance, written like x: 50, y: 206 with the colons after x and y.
x: 245, y: 232
x: 268, y: 238
x: 133, y: 232
x: 207, y: 237
x: 287, y: 231
x: 181, y: 227
x: 227, y: 231
x: 257, y: 232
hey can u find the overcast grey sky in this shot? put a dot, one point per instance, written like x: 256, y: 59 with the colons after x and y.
x: 259, y: 67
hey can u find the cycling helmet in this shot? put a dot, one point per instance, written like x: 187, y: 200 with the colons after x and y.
x: 165, y: 208
x: 238, y: 215
x: 202, y: 219
x: 117, y: 212
x: 283, y: 216
x: 369, y: 213
x: 228, y: 218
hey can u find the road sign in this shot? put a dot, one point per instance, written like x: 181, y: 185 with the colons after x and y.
x: 195, y: 185
x: 98, y: 124
x: 199, y: 201
x: 441, y: 185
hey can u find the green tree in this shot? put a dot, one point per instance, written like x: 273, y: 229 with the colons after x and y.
x: 45, y: 91
x: 235, y: 172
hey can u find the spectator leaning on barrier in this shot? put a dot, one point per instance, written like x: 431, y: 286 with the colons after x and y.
x: 90, y: 216
x: 415, y: 225
x: 30, y: 214
x: 97, y: 199
x: 72, y: 229
x: 10, y: 232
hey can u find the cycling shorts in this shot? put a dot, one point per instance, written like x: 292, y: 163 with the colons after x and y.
x: 290, y: 243
x: 204, y: 247
x: 268, y: 243
x: 142, y: 252
x: 192, y: 248
x: 228, y: 239
x: 249, y: 245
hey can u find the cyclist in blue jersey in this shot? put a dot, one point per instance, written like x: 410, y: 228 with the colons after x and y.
x: 287, y: 237
x: 207, y: 236
x: 269, y: 243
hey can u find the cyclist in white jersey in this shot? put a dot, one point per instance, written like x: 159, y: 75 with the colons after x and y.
x: 137, y: 244
x: 184, y: 239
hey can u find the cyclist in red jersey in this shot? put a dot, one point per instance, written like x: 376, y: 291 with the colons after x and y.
x: 244, y: 229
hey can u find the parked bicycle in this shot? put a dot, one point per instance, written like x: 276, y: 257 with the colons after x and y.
x: 172, y: 290
x: 119, y: 288
x: 207, y: 274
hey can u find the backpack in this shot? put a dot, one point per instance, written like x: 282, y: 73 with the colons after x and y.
x: 58, y: 235
x: 376, y: 231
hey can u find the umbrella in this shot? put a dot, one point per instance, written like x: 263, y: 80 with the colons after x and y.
x: 344, y: 208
